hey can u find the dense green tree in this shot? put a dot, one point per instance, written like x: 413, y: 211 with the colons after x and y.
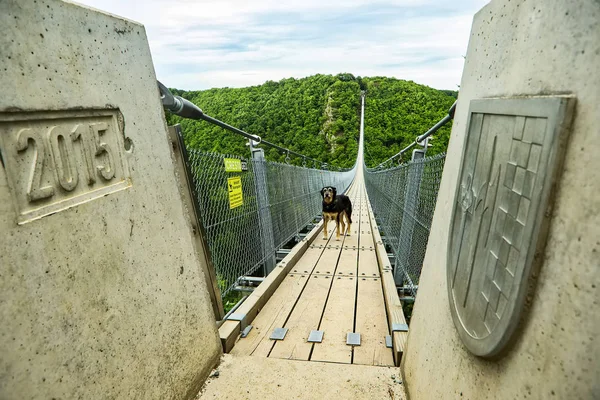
x: 397, y: 111
x: 319, y: 116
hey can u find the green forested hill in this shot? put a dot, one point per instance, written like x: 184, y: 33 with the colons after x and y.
x: 318, y: 116
x: 397, y: 111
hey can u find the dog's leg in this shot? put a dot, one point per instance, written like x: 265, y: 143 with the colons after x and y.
x: 343, y: 225
x: 325, y: 218
x: 349, y: 226
x: 349, y: 215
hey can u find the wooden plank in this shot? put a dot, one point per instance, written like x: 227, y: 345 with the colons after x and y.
x: 273, y: 315
x: 308, y: 262
x: 395, y: 315
x: 347, y: 264
x: 384, y: 261
x: 351, y: 241
x: 366, y: 237
x: 327, y: 267
x: 372, y: 324
x: 304, y: 318
x: 393, y: 305
x: 367, y: 264
x: 308, y: 310
x: 278, y: 308
x: 229, y: 330
x: 338, y: 320
x: 328, y: 261
x: 366, y: 241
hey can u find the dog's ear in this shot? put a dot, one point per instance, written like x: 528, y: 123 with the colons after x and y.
x: 322, y: 191
x: 334, y: 191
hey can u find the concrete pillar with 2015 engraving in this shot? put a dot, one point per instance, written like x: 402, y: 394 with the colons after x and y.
x: 101, y: 292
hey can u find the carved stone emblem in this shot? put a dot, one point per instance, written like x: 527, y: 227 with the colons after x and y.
x: 512, y: 157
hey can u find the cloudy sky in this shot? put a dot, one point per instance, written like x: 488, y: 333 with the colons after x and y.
x: 200, y: 44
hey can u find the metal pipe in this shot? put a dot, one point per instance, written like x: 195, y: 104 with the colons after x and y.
x: 253, y: 279
x: 288, y: 151
x: 407, y: 299
x: 230, y: 128
x: 434, y: 128
x: 243, y: 288
x: 185, y: 108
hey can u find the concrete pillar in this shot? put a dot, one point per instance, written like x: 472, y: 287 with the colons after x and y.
x: 524, y: 48
x: 101, y: 291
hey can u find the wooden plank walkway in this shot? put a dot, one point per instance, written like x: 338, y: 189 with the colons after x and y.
x: 335, y: 287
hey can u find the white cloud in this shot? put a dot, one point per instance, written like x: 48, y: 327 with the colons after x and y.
x: 203, y: 44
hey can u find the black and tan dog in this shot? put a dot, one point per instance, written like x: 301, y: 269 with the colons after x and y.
x: 336, y: 207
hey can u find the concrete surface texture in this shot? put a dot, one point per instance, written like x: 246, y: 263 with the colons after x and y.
x: 249, y: 377
x: 103, y: 298
x: 525, y: 48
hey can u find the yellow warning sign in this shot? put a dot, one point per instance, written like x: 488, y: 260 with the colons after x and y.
x: 232, y: 165
x: 234, y: 185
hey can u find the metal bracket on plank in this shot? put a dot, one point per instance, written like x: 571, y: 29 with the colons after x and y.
x: 241, y: 317
x: 396, y: 327
x: 388, y: 341
x: 246, y: 331
x: 278, y: 334
x: 353, y: 339
x: 315, y: 336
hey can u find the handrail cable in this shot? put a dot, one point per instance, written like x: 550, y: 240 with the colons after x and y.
x: 186, y: 109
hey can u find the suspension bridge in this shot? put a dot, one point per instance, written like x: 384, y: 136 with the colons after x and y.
x: 328, y: 300
x: 132, y: 267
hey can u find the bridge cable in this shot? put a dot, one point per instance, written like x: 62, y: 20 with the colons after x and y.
x: 186, y: 109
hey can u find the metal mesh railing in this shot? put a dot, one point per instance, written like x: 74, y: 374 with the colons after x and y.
x: 403, y: 199
x: 279, y: 200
